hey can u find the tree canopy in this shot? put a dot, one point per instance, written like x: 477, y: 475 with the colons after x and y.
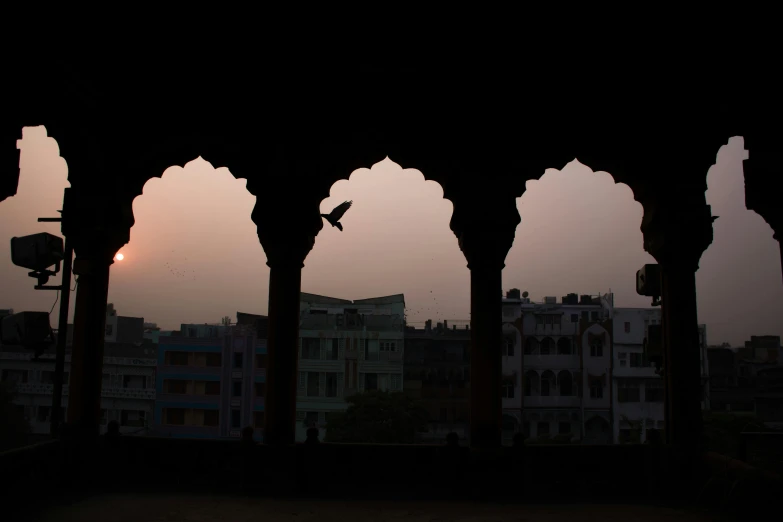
x: 378, y: 417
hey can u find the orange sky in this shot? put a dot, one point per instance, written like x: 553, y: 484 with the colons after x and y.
x: 194, y: 255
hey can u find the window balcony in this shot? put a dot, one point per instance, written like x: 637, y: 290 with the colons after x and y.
x: 552, y: 401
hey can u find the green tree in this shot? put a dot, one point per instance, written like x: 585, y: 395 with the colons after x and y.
x: 14, y: 428
x: 379, y: 417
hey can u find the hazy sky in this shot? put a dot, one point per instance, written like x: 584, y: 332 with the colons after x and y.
x: 194, y: 255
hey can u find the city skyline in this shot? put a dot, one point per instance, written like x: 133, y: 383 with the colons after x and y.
x: 194, y: 255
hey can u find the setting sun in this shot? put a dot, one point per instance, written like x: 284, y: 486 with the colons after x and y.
x: 120, y: 257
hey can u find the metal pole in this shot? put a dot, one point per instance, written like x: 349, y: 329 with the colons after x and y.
x: 62, y: 338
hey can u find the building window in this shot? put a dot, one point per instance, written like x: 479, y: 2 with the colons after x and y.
x: 371, y: 352
x: 539, y: 320
x: 628, y: 392
x: 260, y: 360
x: 311, y: 348
x: 331, y: 385
x: 596, y: 389
x: 44, y: 412
x: 333, y: 350
x: 574, y: 318
x: 212, y: 388
x: 132, y: 418
x: 531, y: 346
x: 176, y: 386
x: 508, y: 389
x: 258, y: 419
x: 174, y: 416
x: 653, y: 391
x: 260, y: 389
x: 594, y: 316
x: 543, y: 429
x: 638, y: 360
x: 508, y: 346
x: 238, y: 360
x: 214, y: 359
x: 547, y: 346
x: 312, y: 384
x: 236, y: 389
x: 388, y: 346
x: 236, y: 419
x: 109, y: 330
x: 585, y: 315
x: 627, y: 327
x: 564, y: 346
x: 623, y: 358
x: 547, y: 383
x: 370, y: 381
x: 211, y: 418
x: 563, y: 428
x: 177, y: 358
x: 596, y: 348
x: 395, y: 382
x: 311, y: 419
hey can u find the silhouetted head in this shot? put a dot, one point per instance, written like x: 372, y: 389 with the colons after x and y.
x: 519, y: 440
x: 654, y: 436
x: 312, y: 436
x: 113, y: 428
x: 247, y: 434
x: 452, y: 439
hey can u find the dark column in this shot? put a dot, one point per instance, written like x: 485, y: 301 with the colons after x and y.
x: 285, y: 276
x: 677, y: 229
x: 89, y: 326
x: 96, y: 229
x: 485, y: 228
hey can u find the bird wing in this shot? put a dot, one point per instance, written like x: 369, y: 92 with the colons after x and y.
x: 339, y: 210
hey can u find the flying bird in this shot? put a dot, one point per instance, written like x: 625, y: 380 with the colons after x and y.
x: 334, y: 216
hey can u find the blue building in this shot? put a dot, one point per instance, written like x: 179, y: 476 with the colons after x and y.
x: 211, y: 387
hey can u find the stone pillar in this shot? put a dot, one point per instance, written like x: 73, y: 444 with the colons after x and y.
x: 285, y: 277
x: 676, y: 233
x: 97, y: 233
x: 485, y: 229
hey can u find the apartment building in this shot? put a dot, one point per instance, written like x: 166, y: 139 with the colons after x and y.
x: 127, y: 391
x: 211, y: 382
x: 346, y: 347
x: 437, y: 373
x: 561, y: 355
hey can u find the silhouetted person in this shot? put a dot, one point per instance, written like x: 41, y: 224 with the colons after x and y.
x: 112, y: 430
x: 312, y: 436
x: 452, y: 440
x: 247, y: 436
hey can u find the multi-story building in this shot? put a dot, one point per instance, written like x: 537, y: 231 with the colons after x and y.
x: 127, y: 393
x: 120, y: 329
x: 638, y: 388
x: 346, y: 347
x: 565, y: 366
x: 437, y: 373
x: 211, y: 382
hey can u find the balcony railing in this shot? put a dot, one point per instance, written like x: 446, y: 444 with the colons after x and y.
x: 552, y: 361
x: 552, y: 401
x: 37, y: 388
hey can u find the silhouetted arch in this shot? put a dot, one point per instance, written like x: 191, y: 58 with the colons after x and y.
x: 547, y: 346
x: 565, y: 383
x: 532, y: 346
x: 548, y: 383
x: 532, y: 383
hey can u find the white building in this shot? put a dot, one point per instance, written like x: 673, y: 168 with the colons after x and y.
x: 127, y: 394
x: 562, y: 357
x: 638, y: 391
x: 346, y: 347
